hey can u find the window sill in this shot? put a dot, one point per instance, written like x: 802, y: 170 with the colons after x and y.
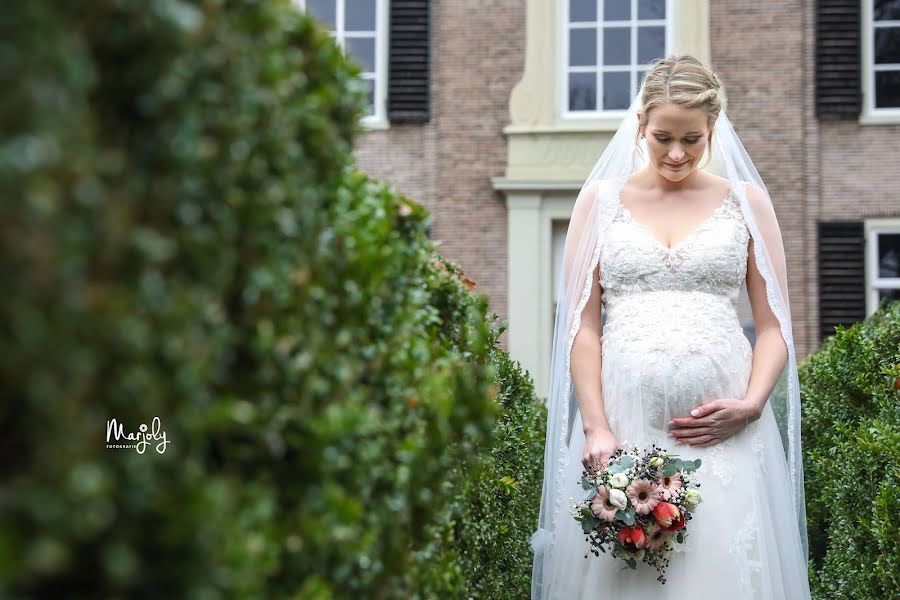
x: 880, y: 119
x: 374, y: 125
x: 568, y: 126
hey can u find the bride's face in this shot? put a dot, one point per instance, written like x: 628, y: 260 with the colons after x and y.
x: 676, y: 139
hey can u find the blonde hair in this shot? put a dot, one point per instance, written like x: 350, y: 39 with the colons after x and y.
x: 683, y: 80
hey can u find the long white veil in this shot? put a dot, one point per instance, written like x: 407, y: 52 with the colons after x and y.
x: 593, y: 211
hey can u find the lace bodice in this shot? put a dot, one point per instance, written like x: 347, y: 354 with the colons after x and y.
x: 712, y: 258
x: 676, y: 299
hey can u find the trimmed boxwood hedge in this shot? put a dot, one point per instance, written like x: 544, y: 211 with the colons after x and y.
x: 480, y: 549
x: 851, y: 436
x: 185, y: 236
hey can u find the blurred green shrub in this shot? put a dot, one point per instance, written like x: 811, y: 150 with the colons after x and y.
x: 851, y: 438
x: 480, y: 549
x: 184, y: 236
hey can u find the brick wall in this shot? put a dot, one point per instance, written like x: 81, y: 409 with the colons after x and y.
x: 757, y: 50
x: 478, y: 50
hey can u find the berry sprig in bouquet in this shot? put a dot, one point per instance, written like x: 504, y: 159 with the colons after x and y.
x: 638, y: 507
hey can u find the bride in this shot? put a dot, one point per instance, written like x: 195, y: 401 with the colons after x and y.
x: 664, y: 246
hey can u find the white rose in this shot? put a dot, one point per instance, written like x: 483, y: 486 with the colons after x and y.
x: 692, y: 498
x: 619, y: 480
x: 656, y: 461
x: 670, y: 546
x: 617, y: 498
x: 639, y: 555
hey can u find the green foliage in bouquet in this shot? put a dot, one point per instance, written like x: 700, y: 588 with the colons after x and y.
x: 480, y: 549
x: 851, y: 440
x: 184, y: 237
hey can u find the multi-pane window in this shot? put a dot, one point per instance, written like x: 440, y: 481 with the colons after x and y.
x: 883, y: 263
x: 885, y: 54
x: 358, y: 27
x: 607, y: 46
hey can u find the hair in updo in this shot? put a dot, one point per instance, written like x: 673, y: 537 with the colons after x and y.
x: 685, y: 81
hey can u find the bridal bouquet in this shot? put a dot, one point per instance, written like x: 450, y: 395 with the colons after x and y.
x: 638, y: 506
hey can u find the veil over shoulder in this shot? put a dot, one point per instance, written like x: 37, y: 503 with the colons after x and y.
x: 594, y: 209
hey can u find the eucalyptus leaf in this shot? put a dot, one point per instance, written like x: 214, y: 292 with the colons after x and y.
x: 669, y: 469
x: 590, y: 493
x: 626, y: 516
x: 626, y: 461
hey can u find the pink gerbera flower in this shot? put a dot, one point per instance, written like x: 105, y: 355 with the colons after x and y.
x: 669, y: 485
x: 601, y: 506
x: 643, y: 495
x: 657, y: 537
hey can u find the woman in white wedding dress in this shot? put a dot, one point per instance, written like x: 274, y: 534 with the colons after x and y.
x: 675, y: 251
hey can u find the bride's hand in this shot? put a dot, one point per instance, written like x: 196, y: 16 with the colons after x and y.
x: 598, y: 447
x: 712, y: 422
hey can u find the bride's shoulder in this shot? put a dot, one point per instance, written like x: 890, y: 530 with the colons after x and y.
x: 716, y: 182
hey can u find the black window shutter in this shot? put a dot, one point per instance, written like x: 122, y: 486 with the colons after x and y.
x: 838, y: 59
x: 842, y: 280
x: 409, y: 69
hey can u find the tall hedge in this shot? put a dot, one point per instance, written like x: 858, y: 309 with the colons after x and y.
x: 184, y: 236
x: 851, y: 436
x: 479, y: 548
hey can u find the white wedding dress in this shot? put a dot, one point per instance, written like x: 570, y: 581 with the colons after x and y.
x: 672, y: 341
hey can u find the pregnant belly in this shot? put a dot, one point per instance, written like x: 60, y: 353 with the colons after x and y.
x: 664, y: 353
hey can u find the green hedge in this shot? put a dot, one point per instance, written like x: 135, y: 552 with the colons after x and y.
x: 480, y: 547
x: 851, y: 436
x: 184, y: 236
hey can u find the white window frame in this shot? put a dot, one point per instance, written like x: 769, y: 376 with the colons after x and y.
x: 378, y: 119
x: 873, y: 228
x: 870, y: 113
x: 564, y: 67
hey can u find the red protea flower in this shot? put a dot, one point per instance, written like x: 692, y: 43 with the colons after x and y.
x: 633, y: 538
x: 668, y: 516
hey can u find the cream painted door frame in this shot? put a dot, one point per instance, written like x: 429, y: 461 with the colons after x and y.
x: 532, y: 210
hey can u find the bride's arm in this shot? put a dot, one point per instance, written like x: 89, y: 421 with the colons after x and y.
x: 587, y: 362
x: 770, y: 353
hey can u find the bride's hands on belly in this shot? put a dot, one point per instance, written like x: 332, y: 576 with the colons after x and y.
x: 711, y: 423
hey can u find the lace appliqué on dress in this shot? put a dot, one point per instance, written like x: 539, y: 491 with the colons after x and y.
x: 719, y: 464
x: 758, y: 447
x: 743, y: 550
x: 712, y: 258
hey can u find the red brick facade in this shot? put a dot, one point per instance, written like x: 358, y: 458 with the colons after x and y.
x: 764, y: 52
